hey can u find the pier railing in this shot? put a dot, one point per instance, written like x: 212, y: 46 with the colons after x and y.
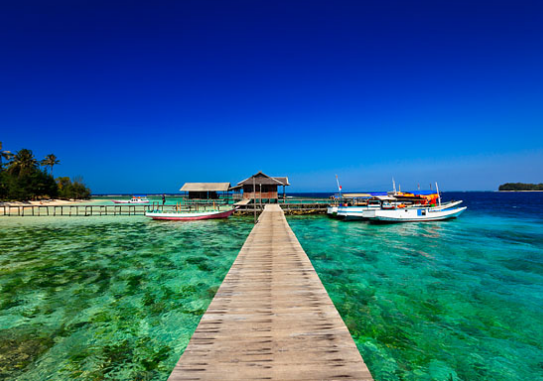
x: 99, y: 210
x: 292, y: 206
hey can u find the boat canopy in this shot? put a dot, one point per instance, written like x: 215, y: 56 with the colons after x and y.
x: 385, y: 198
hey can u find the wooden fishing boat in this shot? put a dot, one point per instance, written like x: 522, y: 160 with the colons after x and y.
x: 190, y: 216
x: 135, y: 200
x: 414, y: 214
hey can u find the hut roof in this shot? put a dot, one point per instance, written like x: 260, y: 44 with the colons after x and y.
x: 262, y: 178
x: 205, y: 187
x: 283, y: 180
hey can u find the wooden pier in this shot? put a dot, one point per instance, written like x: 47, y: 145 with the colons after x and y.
x: 271, y: 319
x: 302, y: 207
x: 80, y: 210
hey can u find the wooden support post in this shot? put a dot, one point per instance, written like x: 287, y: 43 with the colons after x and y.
x: 254, y: 199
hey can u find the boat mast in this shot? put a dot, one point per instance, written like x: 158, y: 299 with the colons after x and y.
x: 338, y: 186
x: 394, y: 186
x: 438, y: 195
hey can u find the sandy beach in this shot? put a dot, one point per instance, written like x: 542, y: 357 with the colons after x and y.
x: 53, y: 202
x: 11, y: 206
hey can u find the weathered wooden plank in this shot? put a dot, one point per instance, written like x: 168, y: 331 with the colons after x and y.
x: 271, y: 319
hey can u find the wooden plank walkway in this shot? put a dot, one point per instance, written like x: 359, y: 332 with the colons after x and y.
x: 271, y: 319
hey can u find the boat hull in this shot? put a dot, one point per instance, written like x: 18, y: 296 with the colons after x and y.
x: 189, y: 216
x: 331, y: 211
x: 354, y: 213
x: 414, y: 215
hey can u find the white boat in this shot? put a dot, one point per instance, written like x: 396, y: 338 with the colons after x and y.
x: 440, y: 212
x: 414, y: 214
x: 190, y: 216
x: 351, y: 213
x: 332, y: 210
x: 134, y: 200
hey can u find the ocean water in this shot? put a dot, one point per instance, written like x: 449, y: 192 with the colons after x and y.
x: 106, y: 298
x: 447, y: 301
x: 117, y: 298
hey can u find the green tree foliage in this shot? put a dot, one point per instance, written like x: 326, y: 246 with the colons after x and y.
x: 72, y: 189
x: 4, y: 155
x: 22, y: 179
x: 23, y: 163
x: 521, y: 187
x: 50, y: 161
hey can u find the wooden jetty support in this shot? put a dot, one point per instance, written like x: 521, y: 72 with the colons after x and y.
x: 271, y: 319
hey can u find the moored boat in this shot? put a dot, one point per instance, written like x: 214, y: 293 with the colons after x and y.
x: 190, y: 216
x: 414, y: 214
x: 417, y: 213
x: 134, y: 200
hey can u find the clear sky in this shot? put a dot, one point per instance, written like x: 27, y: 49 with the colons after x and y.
x: 144, y: 96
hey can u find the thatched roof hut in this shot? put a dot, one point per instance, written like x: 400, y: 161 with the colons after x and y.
x: 205, y: 190
x: 265, y: 186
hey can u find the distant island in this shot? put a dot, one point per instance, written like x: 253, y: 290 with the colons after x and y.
x: 516, y: 187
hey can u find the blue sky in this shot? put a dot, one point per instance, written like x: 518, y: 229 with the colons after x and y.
x: 144, y: 96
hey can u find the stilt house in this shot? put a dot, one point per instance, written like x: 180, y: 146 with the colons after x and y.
x: 265, y: 187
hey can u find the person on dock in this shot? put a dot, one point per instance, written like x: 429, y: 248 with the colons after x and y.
x: 163, y: 199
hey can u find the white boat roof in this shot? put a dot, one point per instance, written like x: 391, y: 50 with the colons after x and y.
x: 385, y: 198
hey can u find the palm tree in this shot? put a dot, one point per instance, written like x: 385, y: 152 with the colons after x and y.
x: 4, y: 155
x: 50, y: 161
x: 23, y: 161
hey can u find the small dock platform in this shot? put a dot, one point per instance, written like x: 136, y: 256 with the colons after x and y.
x: 272, y: 318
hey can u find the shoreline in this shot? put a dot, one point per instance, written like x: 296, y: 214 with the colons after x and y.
x: 48, y: 202
x: 520, y: 191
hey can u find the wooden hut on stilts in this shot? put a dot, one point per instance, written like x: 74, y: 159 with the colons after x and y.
x: 262, y: 188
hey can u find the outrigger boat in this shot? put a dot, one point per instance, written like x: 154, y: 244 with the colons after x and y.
x: 417, y: 213
x: 190, y: 216
x: 414, y: 214
x: 134, y: 200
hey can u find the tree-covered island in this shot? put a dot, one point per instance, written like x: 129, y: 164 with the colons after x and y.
x: 512, y: 187
x: 23, y: 177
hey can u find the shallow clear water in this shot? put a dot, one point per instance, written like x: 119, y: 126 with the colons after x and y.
x: 458, y: 300
x: 106, y: 297
x: 119, y: 297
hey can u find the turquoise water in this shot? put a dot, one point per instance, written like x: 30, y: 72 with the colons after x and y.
x: 117, y: 298
x: 458, y: 300
x: 101, y: 298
